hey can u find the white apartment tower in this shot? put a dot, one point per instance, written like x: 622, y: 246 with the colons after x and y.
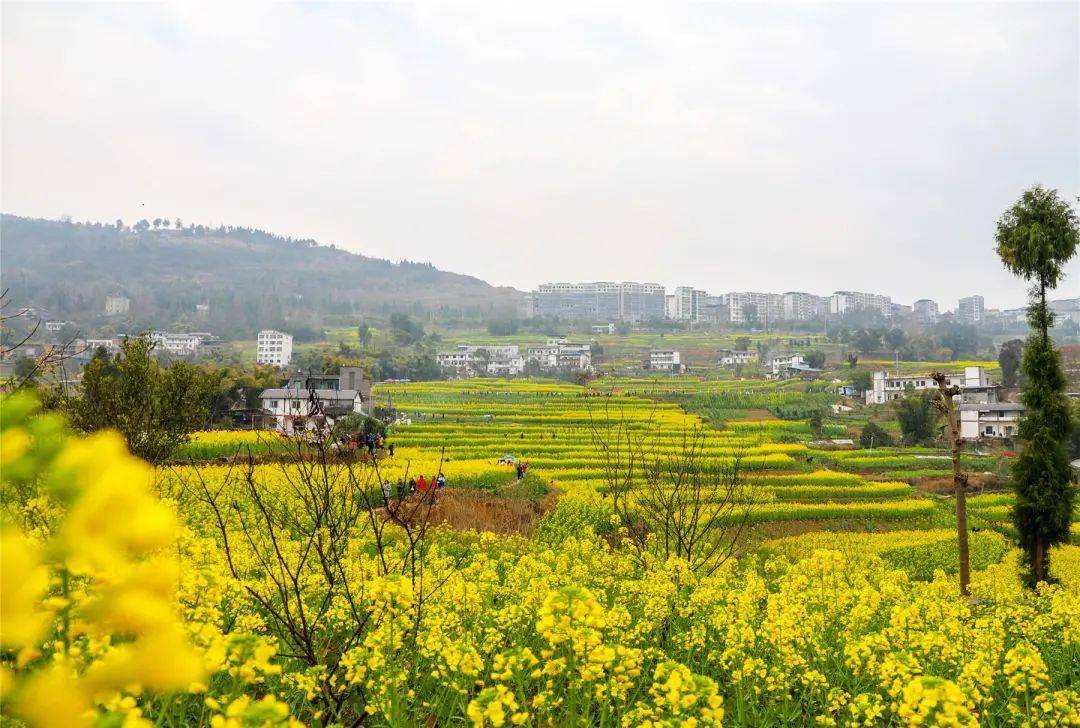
x: 800, y: 306
x: 688, y: 303
x: 926, y: 311
x: 769, y: 306
x: 842, y: 302
x: 274, y: 347
x: 970, y: 310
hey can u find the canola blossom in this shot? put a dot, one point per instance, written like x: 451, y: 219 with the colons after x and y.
x: 121, y: 605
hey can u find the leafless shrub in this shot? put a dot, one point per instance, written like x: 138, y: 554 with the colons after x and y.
x: 673, y: 501
x: 293, y: 547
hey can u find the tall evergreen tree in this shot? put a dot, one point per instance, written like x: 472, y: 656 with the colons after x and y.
x: 1035, y: 238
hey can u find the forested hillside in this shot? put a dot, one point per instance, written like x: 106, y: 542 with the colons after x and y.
x: 250, y: 278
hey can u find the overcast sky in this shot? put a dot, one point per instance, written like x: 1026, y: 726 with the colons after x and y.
x: 730, y: 147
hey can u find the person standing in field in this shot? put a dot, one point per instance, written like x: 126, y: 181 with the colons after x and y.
x: 440, y: 482
x: 421, y: 484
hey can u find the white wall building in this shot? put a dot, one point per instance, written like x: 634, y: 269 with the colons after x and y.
x: 688, y: 303
x: 800, y: 306
x: 109, y: 345
x: 843, y: 302
x: 994, y: 420
x: 981, y: 414
x: 769, y: 306
x: 175, y: 343
x: 886, y: 388
x: 970, y: 310
x: 274, y: 348
x: 288, y: 406
x: 926, y: 311
x: 560, y: 354
x: 665, y: 360
x: 779, y: 364
x: 117, y: 305
x: 467, y: 359
x: 735, y: 357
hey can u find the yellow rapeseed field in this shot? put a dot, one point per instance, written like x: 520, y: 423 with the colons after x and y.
x: 270, y: 594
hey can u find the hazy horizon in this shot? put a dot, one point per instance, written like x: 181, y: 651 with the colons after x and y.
x: 727, y: 147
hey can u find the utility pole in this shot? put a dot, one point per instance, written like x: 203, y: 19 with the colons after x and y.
x: 944, y: 404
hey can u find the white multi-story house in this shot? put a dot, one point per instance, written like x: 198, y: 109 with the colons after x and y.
x: 117, y: 305
x: 274, y: 348
x: 843, y: 302
x: 603, y: 329
x: 316, y: 400
x: 885, y: 387
x: 664, y: 360
x: 800, y: 306
x: 735, y: 357
x: 506, y: 367
x: 981, y: 414
x: 994, y: 420
x: 109, y: 345
x: 785, y: 365
x: 560, y: 354
x: 493, y: 358
x: 287, y: 406
x: 177, y: 344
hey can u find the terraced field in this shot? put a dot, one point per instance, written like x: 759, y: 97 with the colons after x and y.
x: 555, y: 426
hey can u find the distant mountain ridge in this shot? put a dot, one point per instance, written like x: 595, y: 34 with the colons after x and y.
x: 166, y: 271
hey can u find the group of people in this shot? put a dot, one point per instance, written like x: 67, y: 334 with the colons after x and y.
x: 371, y: 442
x: 414, y: 485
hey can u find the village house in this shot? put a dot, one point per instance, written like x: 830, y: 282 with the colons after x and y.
x: 469, y: 360
x: 790, y: 365
x: 664, y: 360
x: 315, y: 400
x: 176, y: 344
x: 735, y: 357
x: 982, y: 413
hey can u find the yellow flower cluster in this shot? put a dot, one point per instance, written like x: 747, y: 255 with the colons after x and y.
x: 89, y: 608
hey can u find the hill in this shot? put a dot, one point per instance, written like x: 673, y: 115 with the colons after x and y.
x: 249, y: 277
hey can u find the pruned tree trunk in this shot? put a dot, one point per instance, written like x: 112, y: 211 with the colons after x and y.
x: 944, y: 403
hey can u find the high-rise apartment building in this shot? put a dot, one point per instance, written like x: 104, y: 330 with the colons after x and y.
x: 688, y: 303
x: 800, y: 306
x: 601, y: 301
x: 926, y: 311
x: 843, y: 302
x: 747, y: 305
x: 970, y: 310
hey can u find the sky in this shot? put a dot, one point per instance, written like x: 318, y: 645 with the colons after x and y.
x: 729, y: 146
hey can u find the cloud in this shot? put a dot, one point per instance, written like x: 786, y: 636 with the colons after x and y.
x: 727, y: 146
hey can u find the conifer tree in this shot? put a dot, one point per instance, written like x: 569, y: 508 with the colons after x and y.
x: 1035, y: 238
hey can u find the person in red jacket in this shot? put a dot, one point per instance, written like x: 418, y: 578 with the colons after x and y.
x: 421, y: 485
